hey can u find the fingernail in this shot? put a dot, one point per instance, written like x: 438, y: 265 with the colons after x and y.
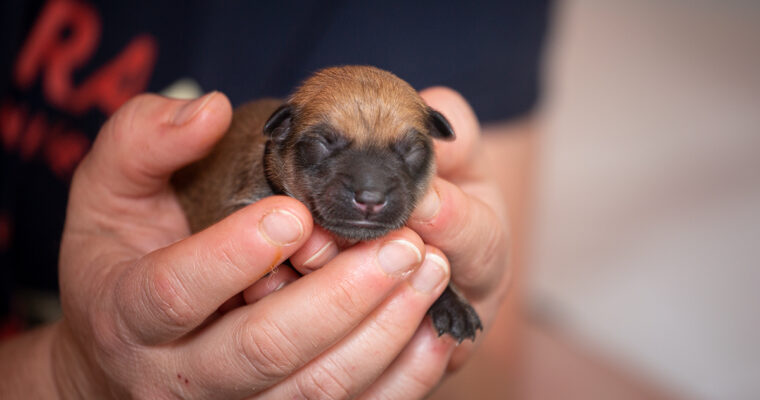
x: 279, y: 286
x: 398, y: 257
x: 429, y: 207
x: 322, y: 255
x: 189, y: 110
x: 430, y: 274
x: 281, y: 227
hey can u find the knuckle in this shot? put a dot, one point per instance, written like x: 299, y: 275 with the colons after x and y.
x: 493, y: 250
x: 423, y: 382
x: 233, y: 258
x: 324, y: 382
x: 482, y: 248
x: 346, y: 301
x: 137, y: 101
x: 266, y: 351
x: 122, y: 133
x: 107, y: 331
x: 135, y: 106
x: 122, y: 124
x: 105, y: 334
x: 168, y: 299
x: 124, y: 117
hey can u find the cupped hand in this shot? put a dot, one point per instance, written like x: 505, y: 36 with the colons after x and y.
x: 143, y: 300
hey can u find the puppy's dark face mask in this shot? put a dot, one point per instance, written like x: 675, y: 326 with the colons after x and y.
x: 358, y: 185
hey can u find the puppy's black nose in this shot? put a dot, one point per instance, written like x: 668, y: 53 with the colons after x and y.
x: 369, y: 201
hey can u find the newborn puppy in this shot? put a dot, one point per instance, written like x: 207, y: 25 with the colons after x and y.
x: 353, y: 143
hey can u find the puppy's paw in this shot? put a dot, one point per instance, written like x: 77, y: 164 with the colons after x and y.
x: 453, y: 315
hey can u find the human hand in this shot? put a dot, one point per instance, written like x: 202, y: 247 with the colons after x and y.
x: 142, y: 300
x: 465, y: 216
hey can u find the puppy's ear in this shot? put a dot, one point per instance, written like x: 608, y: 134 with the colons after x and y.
x: 440, y: 128
x: 278, y: 125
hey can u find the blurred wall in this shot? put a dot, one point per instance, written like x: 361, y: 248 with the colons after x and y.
x: 647, y: 234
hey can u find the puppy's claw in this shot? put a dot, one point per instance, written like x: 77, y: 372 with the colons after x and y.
x: 453, y: 315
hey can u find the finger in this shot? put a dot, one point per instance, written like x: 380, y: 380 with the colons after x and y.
x: 281, y: 276
x: 173, y: 289
x: 455, y: 158
x: 316, y: 252
x: 467, y: 230
x: 232, y: 303
x: 150, y: 137
x: 354, y: 363
x: 267, y: 341
x: 417, y: 370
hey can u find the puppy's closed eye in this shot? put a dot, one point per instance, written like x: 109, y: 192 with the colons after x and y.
x: 414, y: 151
x: 312, y: 151
x: 318, y: 146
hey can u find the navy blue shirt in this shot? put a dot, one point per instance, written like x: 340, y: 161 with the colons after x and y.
x: 68, y: 65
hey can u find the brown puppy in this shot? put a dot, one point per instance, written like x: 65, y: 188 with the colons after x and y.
x: 354, y: 144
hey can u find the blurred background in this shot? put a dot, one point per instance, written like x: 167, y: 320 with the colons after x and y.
x: 642, y: 264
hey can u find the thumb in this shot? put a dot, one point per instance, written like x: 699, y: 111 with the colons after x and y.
x: 150, y: 137
x: 456, y: 158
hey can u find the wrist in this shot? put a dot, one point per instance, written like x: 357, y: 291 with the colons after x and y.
x: 75, y: 375
x: 26, y: 365
x: 71, y: 370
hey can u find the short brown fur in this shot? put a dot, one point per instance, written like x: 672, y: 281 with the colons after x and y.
x: 231, y: 176
x: 382, y: 104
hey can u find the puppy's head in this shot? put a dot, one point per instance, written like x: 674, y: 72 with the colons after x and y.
x: 355, y: 145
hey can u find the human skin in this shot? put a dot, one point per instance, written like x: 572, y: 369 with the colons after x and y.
x: 147, y: 310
